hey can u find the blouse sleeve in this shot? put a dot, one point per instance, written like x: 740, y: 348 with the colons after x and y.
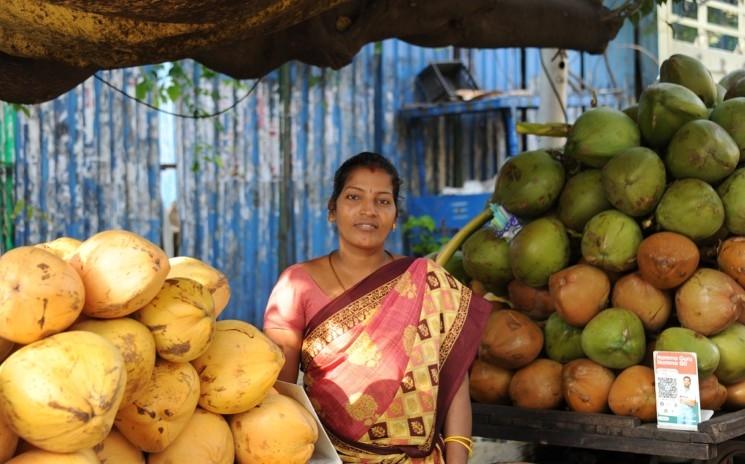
x: 285, y: 308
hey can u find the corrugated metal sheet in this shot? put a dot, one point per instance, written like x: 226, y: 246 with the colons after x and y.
x: 86, y: 162
x: 7, y: 158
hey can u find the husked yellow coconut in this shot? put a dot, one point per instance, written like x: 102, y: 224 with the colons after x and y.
x: 162, y: 410
x: 40, y: 294
x: 238, y: 368
x: 8, y: 441
x: 135, y: 343
x: 207, y: 439
x: 85, y: 456
x: 121, y: 271
x: 63, y: 247
x: 194, y: 269
x: 279, y: 431
x: 115, y: 449
x: 181, y: 318
x: 61, y: 393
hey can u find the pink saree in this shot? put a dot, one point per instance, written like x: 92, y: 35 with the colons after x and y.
x: 383, y: 361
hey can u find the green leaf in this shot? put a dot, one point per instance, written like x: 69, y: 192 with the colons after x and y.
x: 174, y: 92
x: 208, y: 73
x: 142, y: 88
x: 21, y: 109
x: 195, y: 166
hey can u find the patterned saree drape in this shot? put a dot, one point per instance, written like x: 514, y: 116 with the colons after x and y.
x: 383, y: 361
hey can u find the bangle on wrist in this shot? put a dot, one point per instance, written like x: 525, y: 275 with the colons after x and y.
x: 466, y: 442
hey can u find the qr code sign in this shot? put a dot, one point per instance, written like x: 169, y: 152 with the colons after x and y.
x: 667, y: 387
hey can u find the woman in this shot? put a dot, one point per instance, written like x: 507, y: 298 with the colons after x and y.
x: 384, y: 341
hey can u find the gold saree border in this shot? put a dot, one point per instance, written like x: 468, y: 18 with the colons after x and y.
x: 353, y: 314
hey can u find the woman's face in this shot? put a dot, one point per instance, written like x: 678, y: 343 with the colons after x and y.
x: 365, y: 210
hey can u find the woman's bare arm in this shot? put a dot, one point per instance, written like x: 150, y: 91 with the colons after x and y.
x: 290, y: 342
x: 458, y: 422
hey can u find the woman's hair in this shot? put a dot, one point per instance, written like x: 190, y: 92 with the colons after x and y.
x: 366, y: 159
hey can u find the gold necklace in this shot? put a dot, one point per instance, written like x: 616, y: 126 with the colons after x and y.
x: 331, y: 265
x: 335, y: 274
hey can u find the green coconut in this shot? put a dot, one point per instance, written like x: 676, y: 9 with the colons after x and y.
x: 732, y: 193
x: 730, y: 115
x: 721, y: 92
x: 631, y: 111
x: 538, y: 250
x: 529, y: 183
x: 455, y: 267
x: 735, y: 90
x: 692, y: 74
x: 563, y: 342
x: 703, y: 150
x: 486, y: 258
x: 731, y: 78
x: 634, y: 181
x: 690, y: 207
x: 600, y: 133
x: 614, y: 338
x: 582, y: 198
x: 610, y: 241
x: 664, y: 108
x: 682, y: 339
x: 731, y: 345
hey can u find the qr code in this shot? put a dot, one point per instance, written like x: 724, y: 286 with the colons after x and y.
x: 667, y: 387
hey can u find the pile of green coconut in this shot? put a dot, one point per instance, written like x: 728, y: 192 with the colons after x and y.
x: 632, y: 239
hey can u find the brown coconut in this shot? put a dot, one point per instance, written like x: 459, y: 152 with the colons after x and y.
x: 537, y: 385
x: 585, y: 385
x: 536, y: 303
x: 667, y: 259
x: 712, y: 393
x: 731, y: 258
x: 735, y: 395
x: 579, y: 292
x: 613, y: 276
x: 652, y: 305
x: 632, y: 394
x: 709, y: 302
x: 489, y: 383
x: 510, y: 339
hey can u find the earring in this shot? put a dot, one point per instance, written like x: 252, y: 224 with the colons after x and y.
x: 394, y: 226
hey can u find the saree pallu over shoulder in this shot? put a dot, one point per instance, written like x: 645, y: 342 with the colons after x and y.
x: 383, y: 361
